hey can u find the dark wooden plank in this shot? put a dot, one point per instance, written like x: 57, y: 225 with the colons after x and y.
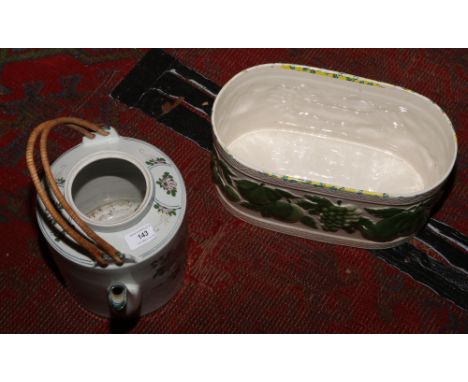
x: 447, y: 281
x: 446, y: 248
x: 157, y: 81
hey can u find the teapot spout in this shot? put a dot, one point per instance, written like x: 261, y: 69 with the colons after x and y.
x: 124, y: 300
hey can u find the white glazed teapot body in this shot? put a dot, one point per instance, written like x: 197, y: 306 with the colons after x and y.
x: 148, y: 285
x: 133, y: 196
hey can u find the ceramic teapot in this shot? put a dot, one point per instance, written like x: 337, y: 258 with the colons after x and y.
x: 112, y: 210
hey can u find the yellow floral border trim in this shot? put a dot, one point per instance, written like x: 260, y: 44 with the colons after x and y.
x: 331, y: 74
x: 293, y: 179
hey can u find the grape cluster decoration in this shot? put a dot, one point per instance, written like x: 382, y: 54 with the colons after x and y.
x: 319, y: 212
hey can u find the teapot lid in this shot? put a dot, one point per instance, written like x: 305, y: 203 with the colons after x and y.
x: 127, y: 190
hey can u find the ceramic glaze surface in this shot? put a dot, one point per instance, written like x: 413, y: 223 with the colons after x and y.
x: 113, y: 211
x: 109, y: 191
x: 376, y: 138
x: 329, y: 160
x: 125, y: 176
x: 133, y: 196
x: 329, y: 156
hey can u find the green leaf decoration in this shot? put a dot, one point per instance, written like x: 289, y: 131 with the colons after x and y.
x: 165, y: 210
x: 330, y: 228
x: 350, y: 229
x: 384, y: 212
x: 258, y: 195
x: 225, y: 168
x: 271, y: 194
x: 366, y: 227
x: 167, y: 183
x: 231, y: 194
x: 245, y: 185
x: 156, y: 161
x: 295, y: 215
x: 284, y: 211
x: 285, y: 194
x: 308, y: 221
x: 307, y: 205
x: 322, y: 202
x: 215, y: 174
x: 227, y: 177
x: 266, y: 211
x: 331, y: 216
x: 404, y: 223
x: 281, y: 210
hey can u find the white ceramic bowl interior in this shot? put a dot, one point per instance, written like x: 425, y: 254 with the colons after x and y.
x: 109, y: 190
x: 367, y: 136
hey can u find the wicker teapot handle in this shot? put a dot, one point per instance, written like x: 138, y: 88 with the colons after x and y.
x: 93, y: 244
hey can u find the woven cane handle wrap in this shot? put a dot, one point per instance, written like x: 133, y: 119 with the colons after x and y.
x: 93, y: 244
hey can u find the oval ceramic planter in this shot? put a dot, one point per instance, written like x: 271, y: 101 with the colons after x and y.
x: 280, y: 131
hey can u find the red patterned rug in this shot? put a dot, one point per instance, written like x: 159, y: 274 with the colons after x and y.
x: 240, y: 278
